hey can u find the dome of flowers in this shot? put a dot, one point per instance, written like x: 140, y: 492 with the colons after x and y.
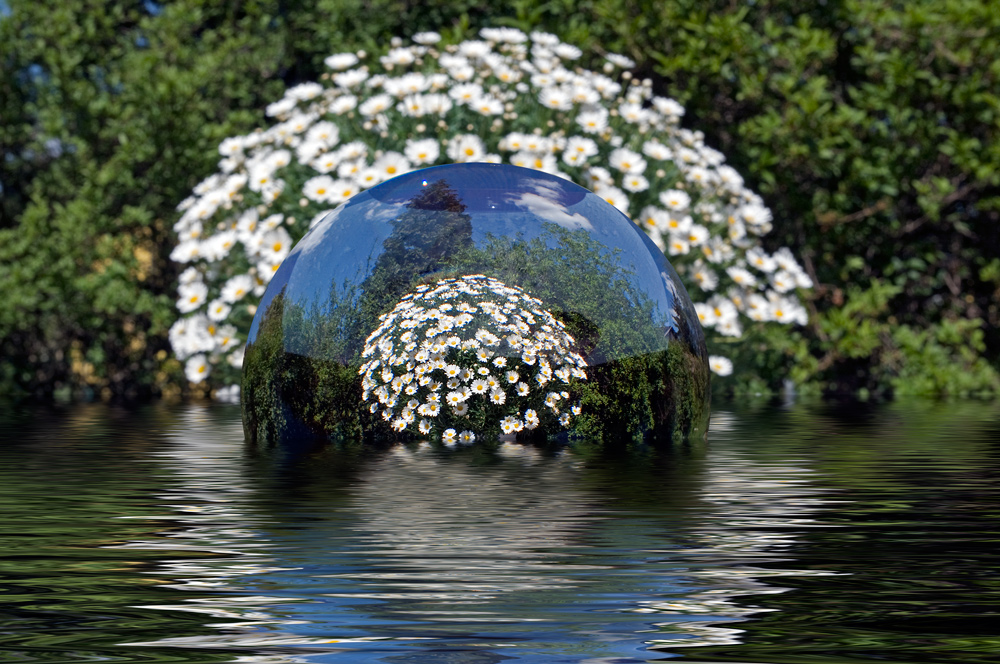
x: 506, y: 97
x: 471, y: 340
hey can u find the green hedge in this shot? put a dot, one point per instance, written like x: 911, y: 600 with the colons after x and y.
x: 870, y: 128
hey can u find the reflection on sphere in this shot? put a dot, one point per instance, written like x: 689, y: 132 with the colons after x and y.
x: 474, y: 303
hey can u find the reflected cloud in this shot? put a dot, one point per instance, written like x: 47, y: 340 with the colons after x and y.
x: 545, y: 204
x: 316, y: 236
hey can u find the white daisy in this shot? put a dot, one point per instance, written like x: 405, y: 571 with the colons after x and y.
x: 466, y: 148
x: 197, y: 369
x: 341, y: 61
x: 720, y: 365
x: 192, y: 296
x: 218, y: 310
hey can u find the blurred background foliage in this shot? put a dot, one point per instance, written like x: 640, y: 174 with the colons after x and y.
x: 870, y: 127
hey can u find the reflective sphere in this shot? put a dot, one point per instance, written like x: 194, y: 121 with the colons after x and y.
x: 470, y: 302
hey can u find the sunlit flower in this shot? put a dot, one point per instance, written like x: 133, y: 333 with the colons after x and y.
x: 760, y: 260
x: 706, y: 279
x: 196, y: 369
x: 614, y: 196
x: 678, y: 246
x: 627, y: 161
x: 218, y: 310
x: 192, y: 296
x: 593, y: 121
x: 341, y: 61
x: 391, y: 164
x: 741, y: 276
x: 424, y: 151
x: 620, y: 61
x: 466, y: 147
x: 675, y: 200
x: 720, y: 365
x: 635, y: 183
x: 426, y: 38
x: 319, y: 188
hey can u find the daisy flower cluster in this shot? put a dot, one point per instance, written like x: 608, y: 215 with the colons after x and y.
x: 505, y: 97
x: 468, y: 353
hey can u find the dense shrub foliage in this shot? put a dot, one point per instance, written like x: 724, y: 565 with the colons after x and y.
x: 870, y: 130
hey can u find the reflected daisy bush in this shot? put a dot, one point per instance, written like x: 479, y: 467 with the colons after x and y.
x: 506, y: 97
x: 470, y: 354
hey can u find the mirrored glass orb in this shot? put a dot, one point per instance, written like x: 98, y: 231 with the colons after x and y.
x: 475, y: 303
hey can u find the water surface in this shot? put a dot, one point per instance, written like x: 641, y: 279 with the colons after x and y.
x: 800, y: 534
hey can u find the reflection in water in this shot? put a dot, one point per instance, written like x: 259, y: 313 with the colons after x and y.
x: 798, y: 536
x: 756, y: 510
x: 209, y: 512
x: 541, y: 555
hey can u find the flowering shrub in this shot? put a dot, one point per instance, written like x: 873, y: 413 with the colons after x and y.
x: 471, y: 353
x: 507, y: 97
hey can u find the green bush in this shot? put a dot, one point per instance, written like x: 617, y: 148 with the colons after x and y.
x: 872, y: 130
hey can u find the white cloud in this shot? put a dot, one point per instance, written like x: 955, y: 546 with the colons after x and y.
x: 543, y: 206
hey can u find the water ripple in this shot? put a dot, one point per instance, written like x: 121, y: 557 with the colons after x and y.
x: 797, y: 536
